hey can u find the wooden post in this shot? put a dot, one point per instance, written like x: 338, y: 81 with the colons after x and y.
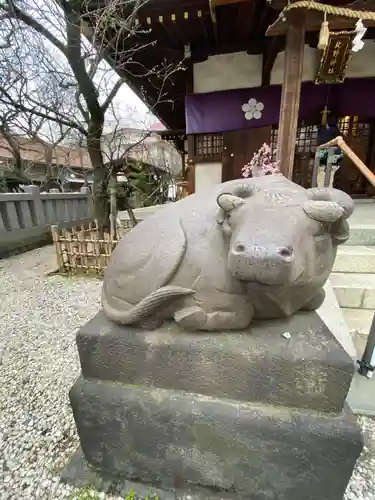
x: 113, y: 212
x: 56, y: 240
x: 291, y: 92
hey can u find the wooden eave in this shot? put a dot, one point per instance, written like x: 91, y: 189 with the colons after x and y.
x: 179, y: 24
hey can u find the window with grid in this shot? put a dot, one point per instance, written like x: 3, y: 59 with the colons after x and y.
x: 306, y: 139
x: 363, y: 129
x: 208, y: 147
x: 350, y: 125
x: 345, y: 125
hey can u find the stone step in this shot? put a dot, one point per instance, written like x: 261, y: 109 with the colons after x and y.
x: 362, y: 224
x: 359, y: 342
x: 355, y: 259
x: 359, y: 323
x: 361, y: 234
x: 358, y: 320
x: 354, y: 290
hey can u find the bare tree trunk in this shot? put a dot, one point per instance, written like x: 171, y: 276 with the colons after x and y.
x: 101, y: 177
x: 129, y: 209
x: 113, y: 205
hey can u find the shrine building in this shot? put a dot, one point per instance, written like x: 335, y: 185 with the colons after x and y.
x: 261, y: 71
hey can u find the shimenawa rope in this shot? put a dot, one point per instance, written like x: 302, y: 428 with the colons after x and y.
x: 330, y: 9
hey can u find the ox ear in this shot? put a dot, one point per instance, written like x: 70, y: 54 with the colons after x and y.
x: 333, y: 195
x: 329, y: 212
x: 340, y: 228
x: 228, y: 202
x: 323, y: 211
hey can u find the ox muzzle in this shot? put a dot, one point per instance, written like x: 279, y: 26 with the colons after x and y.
x: 264, y: 264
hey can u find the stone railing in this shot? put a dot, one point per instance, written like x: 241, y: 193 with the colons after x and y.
x: 25, y: 218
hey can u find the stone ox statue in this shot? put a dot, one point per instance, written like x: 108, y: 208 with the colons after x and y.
x: 248, y: 248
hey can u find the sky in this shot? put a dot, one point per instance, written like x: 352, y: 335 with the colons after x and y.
x: 130, y: 111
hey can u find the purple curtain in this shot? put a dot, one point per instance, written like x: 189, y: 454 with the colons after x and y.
x: 223, y: 111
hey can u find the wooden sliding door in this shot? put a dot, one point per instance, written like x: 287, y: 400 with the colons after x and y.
x: 239, y: 148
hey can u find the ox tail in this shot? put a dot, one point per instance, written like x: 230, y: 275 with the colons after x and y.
x: 134, y: 314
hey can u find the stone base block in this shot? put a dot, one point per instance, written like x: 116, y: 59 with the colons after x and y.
x: 308, y: 370
x: 170, y: 438
x: 80, y: 474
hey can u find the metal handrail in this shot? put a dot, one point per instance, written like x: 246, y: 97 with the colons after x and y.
x: 327, y: 171
x: 339, y: 142
x: 367, y: 362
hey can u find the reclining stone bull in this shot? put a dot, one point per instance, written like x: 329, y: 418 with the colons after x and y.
x: 249, y: 248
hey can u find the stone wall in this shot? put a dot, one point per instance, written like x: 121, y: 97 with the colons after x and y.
x: 25, y: 218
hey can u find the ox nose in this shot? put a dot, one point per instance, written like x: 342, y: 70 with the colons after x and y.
x: 286, y: 253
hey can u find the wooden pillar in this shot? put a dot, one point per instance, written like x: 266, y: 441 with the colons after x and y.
x: 190, y: 173
x: 291, y: 92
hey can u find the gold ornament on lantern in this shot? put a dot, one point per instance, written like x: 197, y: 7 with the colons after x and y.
x: 325, y: 114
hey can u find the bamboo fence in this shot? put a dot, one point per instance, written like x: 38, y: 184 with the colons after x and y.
x: 84, y: 249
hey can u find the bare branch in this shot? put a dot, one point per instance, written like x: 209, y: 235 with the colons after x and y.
x: 53, y: 99
x: 36, y: 112
x: 14, y: 11
x: 112, y: 94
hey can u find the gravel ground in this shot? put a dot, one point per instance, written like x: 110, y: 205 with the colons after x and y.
x: 39, y: 316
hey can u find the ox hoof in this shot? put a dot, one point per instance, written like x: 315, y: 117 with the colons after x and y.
x: 191, y: 318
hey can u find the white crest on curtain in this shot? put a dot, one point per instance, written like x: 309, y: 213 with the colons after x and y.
x: 253, y: 109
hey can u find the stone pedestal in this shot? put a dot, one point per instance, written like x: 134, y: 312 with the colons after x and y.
x: 247, y: 414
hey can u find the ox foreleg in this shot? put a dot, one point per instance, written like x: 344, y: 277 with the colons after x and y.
x: 195, y: 318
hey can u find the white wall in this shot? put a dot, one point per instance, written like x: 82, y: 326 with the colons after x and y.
x: 362, y: 63
x: 241, y: 71
x: 207, y: 175
x: 227, y: 72
x: 310, y: 64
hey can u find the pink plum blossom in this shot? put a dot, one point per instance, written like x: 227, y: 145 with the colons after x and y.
x: 261, y: 164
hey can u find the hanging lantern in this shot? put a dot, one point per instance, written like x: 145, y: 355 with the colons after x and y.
x: 324, y: 34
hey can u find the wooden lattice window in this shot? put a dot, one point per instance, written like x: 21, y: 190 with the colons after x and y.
x: 306, y: 140
x: 346, y: 123
x: 307, y: 137
x: 208, y: 147
x: 363, y: 129
x: 350, y: 125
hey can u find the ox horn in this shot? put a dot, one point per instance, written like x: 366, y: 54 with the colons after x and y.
x: 323, y: 211
x: 229, y: 202
x: 333, y: 195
